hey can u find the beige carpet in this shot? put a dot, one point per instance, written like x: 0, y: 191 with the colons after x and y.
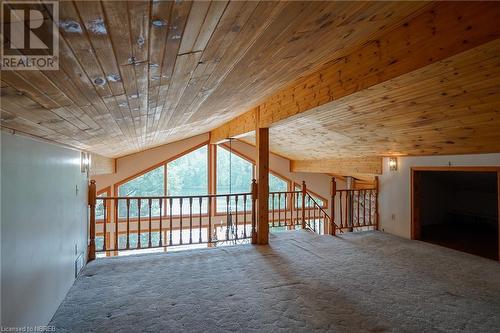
x: 302, y: 282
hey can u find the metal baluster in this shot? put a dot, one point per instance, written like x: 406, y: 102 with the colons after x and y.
x: 170, y: 235
x: 104, y: 204
x: 149, y: 240
x: 180, y: 220
x: 364, y: 207
x: 370, y: 207
x: 128, y: 224
x: 199, y: 231
x: 160, y: 203
x: 190, y: 220
x: 138, y: 223
x: 245, y: 216
x: 236, y: 215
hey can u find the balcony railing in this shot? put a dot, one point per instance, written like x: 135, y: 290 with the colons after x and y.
x: 136, y: 223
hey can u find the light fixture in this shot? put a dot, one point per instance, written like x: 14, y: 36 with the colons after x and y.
x: 393, y: 163
x: 85, y: 162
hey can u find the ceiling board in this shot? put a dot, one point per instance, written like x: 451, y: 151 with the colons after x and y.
x: 138, y: 74
x: 449, y: 107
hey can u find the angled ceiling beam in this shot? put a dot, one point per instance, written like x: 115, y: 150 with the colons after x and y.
x: 441, y: 31
x: 340, y: 166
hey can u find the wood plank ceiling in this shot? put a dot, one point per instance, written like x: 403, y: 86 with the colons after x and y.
x: 138, y: 74
x: 449, y: 107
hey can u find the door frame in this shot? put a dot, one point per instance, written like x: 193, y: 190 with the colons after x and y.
x: 414, y: 201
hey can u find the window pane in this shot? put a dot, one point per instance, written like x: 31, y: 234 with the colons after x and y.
x: 149, y: 184
x: 277, y: 184
x: 187, y: 176
x: 99, y: 207
x: 241, y: 179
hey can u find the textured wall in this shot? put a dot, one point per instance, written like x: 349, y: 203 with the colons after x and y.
x: 43, y: 227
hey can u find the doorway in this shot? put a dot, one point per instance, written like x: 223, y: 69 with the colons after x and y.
x: 457, y: 208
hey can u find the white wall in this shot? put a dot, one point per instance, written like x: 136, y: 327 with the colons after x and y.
x: 394, y: 197
x: 43, y: 227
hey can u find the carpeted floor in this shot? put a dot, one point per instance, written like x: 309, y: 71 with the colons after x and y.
x: 302, y: 282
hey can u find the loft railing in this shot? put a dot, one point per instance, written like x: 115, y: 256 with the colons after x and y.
x: 355, y: 209
x: 137, y: 223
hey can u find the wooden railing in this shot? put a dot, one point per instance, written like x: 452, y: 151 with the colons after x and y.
x: 354, y: 209
x: 136, y: 223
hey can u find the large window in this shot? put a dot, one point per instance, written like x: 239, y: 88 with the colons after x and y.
x: 151, y: 183
x: 234, y: 175
x: 188, y: 176
x: 276, y: 184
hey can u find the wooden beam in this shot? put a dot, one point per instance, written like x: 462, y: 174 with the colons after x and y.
x: 262, y: 168
x: 100, y: 165
x: 235, y: 128
x: 439, y: 32
x: 342, y: 166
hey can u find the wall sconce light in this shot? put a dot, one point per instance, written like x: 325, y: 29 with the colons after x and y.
x: 393, y: 163
x: 85, y: 162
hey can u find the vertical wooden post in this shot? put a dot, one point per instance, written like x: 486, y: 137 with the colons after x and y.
x: 304, y: 193
x: 92, y: 195
x: 262, y: 167
x: 333, y: 231
x: 254, y: 218
x: 376, y: 202
x: 498, y: 216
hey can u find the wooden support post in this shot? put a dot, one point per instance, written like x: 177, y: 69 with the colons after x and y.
x: 254, y: 209
x: 92, y: 195
x: 333, y: 231
x: 376, y: 202
x: 304, y: 193
x: 262, y: 167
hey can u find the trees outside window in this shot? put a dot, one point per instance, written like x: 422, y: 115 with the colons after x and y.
x: 188, y: 176
x: 151, y: 183
x: 234, y: 179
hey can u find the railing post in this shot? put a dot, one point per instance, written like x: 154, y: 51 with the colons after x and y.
x: 376, y: 203
x: 92, y: 195
x: 333, y: 231
x: 304, y: 193
x: 254, y: 199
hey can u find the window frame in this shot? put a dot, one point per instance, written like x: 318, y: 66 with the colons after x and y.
x: 164, y: 213
x: 107, y: 191
x: 225, y: 146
